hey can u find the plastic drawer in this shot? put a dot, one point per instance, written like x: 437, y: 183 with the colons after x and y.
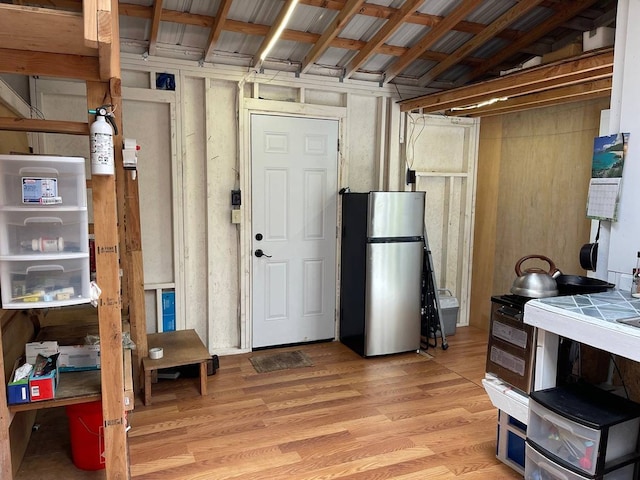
x: 539, y: 467
x: 45, y: 283
x: 49, y: 231
x: 511, y: 441
x: 39, y: 180
x: 584, y: 428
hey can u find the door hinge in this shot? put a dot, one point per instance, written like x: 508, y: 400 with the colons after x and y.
x: 338, y: 144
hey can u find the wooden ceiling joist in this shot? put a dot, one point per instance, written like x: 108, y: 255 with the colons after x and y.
x: 216, y: 29
x: 335, y: 27
x: 474, y: 43
x: 155, y: 26
x: 585, y: 68
x: 556, y: 96
x: 431, y: 37
x: 565, y: 12
x: 390, y: 26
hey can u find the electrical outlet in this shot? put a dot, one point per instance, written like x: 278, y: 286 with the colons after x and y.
x: 235, y: 215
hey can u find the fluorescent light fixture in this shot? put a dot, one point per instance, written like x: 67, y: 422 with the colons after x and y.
x: 279, y: 30
x: 482, y: 104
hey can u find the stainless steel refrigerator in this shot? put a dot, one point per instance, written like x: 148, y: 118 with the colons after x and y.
x: 381, y: 271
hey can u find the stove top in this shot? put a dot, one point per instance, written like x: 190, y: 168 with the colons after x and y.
x: 510, y: 300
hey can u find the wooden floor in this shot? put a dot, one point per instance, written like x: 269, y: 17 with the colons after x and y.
x: 405, y: 416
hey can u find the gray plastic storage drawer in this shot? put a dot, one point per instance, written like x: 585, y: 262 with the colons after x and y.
x: 539, y: 467
x: 583, y: 428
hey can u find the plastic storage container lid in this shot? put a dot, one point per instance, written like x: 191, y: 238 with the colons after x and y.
x: 447, y: 300
x: 587, y: 405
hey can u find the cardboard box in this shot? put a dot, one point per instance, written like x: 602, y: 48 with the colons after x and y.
x: 75, y: 358
x: 46, y: 349
x: 43, y: 387
x: 17, y: 392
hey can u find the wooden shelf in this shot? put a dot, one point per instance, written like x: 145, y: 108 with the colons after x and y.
x: 73, y: 387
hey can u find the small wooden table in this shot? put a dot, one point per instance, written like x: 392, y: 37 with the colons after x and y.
x: 182, y: 347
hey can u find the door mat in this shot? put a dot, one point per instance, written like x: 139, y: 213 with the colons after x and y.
x: 280, y: 361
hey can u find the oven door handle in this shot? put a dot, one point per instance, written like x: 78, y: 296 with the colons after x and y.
x: 510, y: 312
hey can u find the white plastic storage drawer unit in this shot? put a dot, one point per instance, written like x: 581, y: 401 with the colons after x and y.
x: 539, y: 467
x: 44, y: 283
x: 44, y: 237
x: 511, y: 438
x: 32, y: 232
x: 584, y: 429
x: 42, y: 180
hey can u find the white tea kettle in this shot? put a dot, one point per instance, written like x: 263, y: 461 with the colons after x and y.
x: 535, y: 282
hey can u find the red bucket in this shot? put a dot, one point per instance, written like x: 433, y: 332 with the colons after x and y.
x: 87, y: 437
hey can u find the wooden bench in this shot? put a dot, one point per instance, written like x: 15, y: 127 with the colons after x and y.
x: 182, y: 347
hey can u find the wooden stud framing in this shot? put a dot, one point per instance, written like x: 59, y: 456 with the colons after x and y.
x: 586, y: 68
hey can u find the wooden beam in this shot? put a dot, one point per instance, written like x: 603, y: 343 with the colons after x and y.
x: 155, y: 26
x: 431, y: 37
x: 565, y: 11
x: 52, y: 31
x: 556, y: 96
x: 497, y: 25
x: 48, y: 64
x: 258, y: 30
x: 392, y: 24
x: 378, y: 11
x: 108, y: 40
x: 586, y: 67
x: 350, y: 8
x: 43, y: 126
x: 90, y: 18
x: 275, y: 30
x: 216, y: 29
x: 105, y: 223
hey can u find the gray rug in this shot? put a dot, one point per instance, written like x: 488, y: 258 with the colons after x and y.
x: 280, y: 361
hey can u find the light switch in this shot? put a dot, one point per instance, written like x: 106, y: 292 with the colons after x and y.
x: 235, y: 215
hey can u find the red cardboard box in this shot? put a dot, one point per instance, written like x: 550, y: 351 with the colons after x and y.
x: 43, y: 387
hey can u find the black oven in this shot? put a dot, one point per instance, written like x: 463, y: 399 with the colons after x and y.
x: 512, y: 343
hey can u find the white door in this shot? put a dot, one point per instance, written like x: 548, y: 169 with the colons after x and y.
x: 294, y: 188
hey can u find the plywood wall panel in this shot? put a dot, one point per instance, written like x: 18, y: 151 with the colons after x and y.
x: 532, y: 185
x: 484, y: 243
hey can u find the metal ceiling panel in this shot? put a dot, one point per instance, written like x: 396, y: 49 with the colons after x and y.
x: 490, y: 10
x: 362, y: 27
x: 407, y: 35
x: 439, y: 7
x: 451, y: 41
x: 236, y: 47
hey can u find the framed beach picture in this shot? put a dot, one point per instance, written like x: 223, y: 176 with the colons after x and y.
x: 606, y: 174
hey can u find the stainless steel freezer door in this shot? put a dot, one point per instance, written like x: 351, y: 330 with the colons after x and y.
x: 392, y: 303
x: 396, y: 214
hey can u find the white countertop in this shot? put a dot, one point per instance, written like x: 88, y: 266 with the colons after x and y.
x: 591, y: 319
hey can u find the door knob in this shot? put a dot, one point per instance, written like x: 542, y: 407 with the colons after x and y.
x: 259, y: 253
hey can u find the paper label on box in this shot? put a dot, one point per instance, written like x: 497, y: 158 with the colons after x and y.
x: 40, y: 190
x: 79, y: 357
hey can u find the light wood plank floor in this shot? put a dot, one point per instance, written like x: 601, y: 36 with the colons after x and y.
x: 400, y: 417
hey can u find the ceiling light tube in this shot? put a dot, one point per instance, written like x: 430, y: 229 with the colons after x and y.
x: 279, y: 30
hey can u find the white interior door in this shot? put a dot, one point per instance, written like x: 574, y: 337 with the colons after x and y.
x: 294, y: 188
